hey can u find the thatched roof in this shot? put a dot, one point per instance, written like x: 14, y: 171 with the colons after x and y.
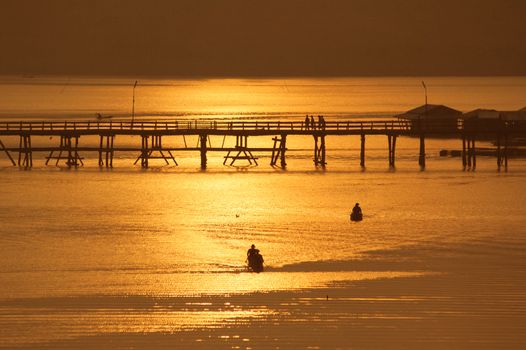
x: 431, y: 112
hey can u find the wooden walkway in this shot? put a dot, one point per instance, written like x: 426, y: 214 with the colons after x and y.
x: 151, y: 132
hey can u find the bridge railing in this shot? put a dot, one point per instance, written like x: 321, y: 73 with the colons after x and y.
x: 350, y: 125
x: 415, y: 126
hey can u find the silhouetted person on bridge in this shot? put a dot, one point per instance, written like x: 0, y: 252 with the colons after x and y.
x: 321, y: 122
x: 312, y: 124
x: 307, y: 121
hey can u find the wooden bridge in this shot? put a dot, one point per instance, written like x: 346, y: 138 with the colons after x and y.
x: 152, y: 132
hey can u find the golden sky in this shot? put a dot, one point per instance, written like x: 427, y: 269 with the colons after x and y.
x: 262, y: 38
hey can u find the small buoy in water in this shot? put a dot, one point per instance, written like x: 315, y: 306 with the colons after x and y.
x: 237, y: 215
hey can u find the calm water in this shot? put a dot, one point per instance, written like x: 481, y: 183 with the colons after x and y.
x: 227, y: 98
x: 88, y: 256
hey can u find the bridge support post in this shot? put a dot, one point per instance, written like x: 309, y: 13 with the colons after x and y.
x: 69, y: 144
x: 278, y: 151
x: 7, y: 153
x: 319, y: 150
x: 474, y: 153
x: 422, y: 156
x: 283, y: 148
x: 362, y: 151
x: 25, y: 153
x: 506, y: 151
x: 157, y: 146
x: 203, y: 138
x: 499, y: 154
x: 464, y: 153
x: 469, y: 153
x: 107, y: 151
x: 145, y: 151
x: 391, y: 139
x: 243, y: 152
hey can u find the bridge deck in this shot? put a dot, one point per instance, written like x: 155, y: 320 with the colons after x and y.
x: 255, y: 128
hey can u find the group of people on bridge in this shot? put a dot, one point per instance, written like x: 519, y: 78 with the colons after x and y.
x: 311, y: 124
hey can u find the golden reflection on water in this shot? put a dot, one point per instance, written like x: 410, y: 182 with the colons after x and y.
x: 178, y: 284
x: 66, y: 317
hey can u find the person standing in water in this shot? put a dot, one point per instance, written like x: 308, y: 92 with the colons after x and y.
x: 254, y: 259
x: 252, y: 251
x: 357, y: 210
x: 356, y: 214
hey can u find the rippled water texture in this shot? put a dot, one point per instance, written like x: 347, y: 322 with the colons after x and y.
x: 131, y: 258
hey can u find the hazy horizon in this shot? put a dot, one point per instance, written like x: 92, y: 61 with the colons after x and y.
x: 249, y: 39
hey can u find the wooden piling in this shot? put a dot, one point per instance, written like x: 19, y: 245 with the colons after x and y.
x: 506, y: 151
x: 474, y: 152
x: 319, y: 150
x: 283, y: 148
x: 362, y: 151
x: 316, y: 162
x: 464, y: 155
x: 278, y: 151
x: 25, y: 153
x: 470, y: 152
x: 499, y: 158
x: 101, y: 142
x: 391, y: 139
x: 422, y: 156
x: 145, y: 151
x: 111, y: 151
x: 203, y: 148
x: 322, y: 145
x: 7, y: 153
